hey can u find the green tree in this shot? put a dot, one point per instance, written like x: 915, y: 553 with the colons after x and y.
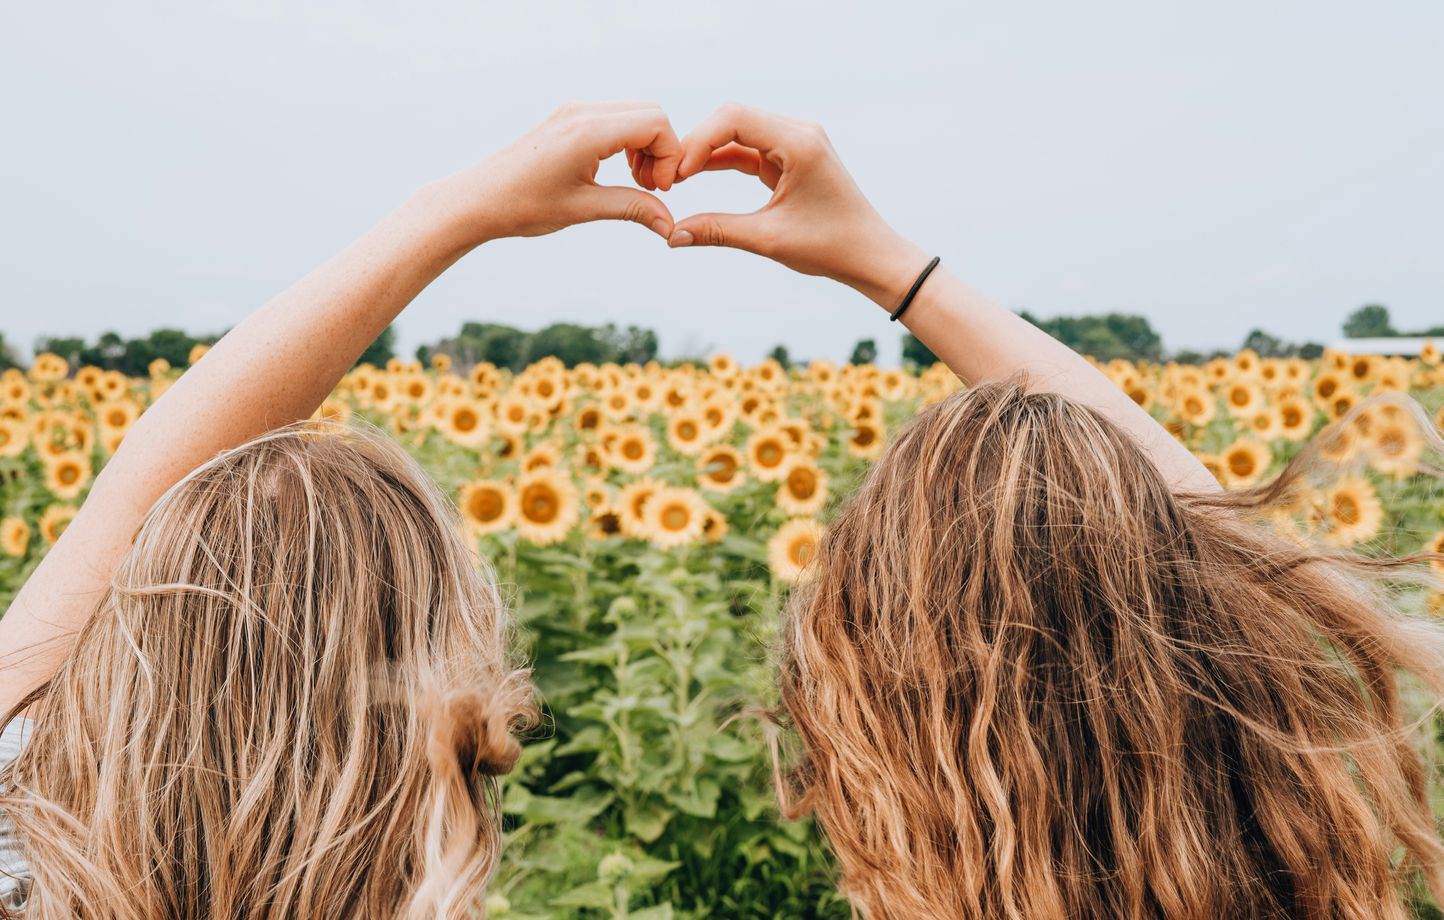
x: 864, y: 352
x: 571, y: 343
x: 916, y: 353
x: 7, y: 354
x: 1106, y: 336
x: 1368, y: 322
x: 780, y: 355
x: 381, y: 350
x: 633, y: 345
x: 1266, y: 345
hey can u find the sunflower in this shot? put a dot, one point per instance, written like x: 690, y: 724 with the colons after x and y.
x: 768, y: 453
x: 13, y: 437
x: 1265, y: 424
x: 596, y: 494
x: 719, y: 469
x: 462, y: 422
x: 511, y: 445
x: 604, y: 522
x: 1338, y: 443
x: 1352, y: 511
x: 714, y: 528
x: 588, y: 418
x: 547, y: 506
x: 631, y: 505
x: 541, y: 457
x: 866, y: 440
x: 1395, y: 446
x: 513, y: 413
x: 54, y: 521
x: 720, y: 416
x: 67, y: 474
x: 49, y: 368
x: 633, y: 450
x: 803, y: 491
x: 688, y: 434
x: 14, y: 536
x: 333, y: 410
x: 487, y: 505
x: 722, y: 365
x: 1196, y: 405
x: 1214, y: 464
x: 158, y: 368
x: 793, y: 547
x: 1244, y: 461
x: 1243, y: 398
x: 674, y: 516
x: 198, y: 351
x: 1429, y: 353
x: 1296, y: 418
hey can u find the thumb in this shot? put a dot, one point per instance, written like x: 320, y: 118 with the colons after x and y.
x: 738, y: 231
x: 613, y: 202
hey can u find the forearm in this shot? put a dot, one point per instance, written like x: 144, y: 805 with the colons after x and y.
x: 274, y: 368
x: 981, y: 341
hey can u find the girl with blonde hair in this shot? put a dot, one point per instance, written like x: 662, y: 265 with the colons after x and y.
x: 1045, y: 667
x: 260, y: 675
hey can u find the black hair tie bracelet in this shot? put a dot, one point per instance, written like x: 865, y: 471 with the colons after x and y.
x: 907, y: 300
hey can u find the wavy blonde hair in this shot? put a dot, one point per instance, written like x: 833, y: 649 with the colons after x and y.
x: 1031, y: 681
x: 292, y: 702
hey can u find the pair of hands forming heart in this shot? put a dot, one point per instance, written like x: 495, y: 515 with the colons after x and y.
x: 817, y: 221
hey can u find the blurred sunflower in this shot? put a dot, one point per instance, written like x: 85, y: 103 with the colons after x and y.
x: 1196, y: 406
x: 768, y: 453
x: 67, y: 474
x: 631, y: 505
x: 719, y: 469
x: 714, y: 528
x: 673, y: 516
x: 14, y: 536
x: 461, y: 422
x: 633, y: 450
x: 1338, y: 443
x: 49, y: 368
x: 547, y: 506
x: 1351, y: 512
x: 793, y: 547
x: 543, y: 456
x: 54, y: 521
x: 487, y: 505
x: 866, y: 441
x: 1395, y: 446
x: 688, y: 434
x: 604, y: 522
x: 1265, y: 424
x: 1244, y: 461
x: 1296, y: 418
x: 803, y: 491
x: 1243, y: 398
x: 14, y: 436
x: 1436, y: 546
x: 197, y: 352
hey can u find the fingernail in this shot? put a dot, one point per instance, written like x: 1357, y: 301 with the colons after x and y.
x: 680, y: 238
x: 659, y: 227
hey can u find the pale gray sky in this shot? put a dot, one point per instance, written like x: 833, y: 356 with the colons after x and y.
x: 1214, y: 166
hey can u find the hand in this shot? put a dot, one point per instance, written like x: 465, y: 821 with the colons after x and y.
x: 546, y: 180
x: 817, y: 221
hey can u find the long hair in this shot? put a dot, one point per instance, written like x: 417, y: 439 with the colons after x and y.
x: 1031, y: 681
x: 293, y: 701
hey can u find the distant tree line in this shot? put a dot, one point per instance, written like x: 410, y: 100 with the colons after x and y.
x: 572, y: 344
x: 1101, y: 336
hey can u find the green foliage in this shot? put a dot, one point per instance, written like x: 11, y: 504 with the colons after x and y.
x: 1105, y: 337
x: 132, y: 357
x: 914, y: 352
x: 7, y: 354
x: 381, y: 350
x: 1369, y: 321
x: 781, y: 356
x: 864, y: 352
x: 572, y: 344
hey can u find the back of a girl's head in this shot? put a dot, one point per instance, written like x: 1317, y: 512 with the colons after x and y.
x: 1032, y: 681
x: 292, y: 702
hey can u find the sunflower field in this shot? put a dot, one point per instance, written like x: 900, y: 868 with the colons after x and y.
x: 646, y: 523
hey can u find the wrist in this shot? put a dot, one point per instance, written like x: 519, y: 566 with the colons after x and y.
x: 455, y: 212
x: 885, y: 266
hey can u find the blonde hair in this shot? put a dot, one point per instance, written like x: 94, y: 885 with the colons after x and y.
x: 1031, y: 681
x: 292, y: 702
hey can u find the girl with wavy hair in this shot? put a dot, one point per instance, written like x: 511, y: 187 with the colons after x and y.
x: 1045, y: 667
x: 260, y: 675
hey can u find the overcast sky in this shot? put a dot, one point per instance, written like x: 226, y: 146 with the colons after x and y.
x: 1215, y: 166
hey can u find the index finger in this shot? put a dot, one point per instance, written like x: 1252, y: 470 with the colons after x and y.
x: 762, y: 131
x: 647, y: 130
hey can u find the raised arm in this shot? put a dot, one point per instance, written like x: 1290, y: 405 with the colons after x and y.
x: 819, y: 223
x: 280, y: 363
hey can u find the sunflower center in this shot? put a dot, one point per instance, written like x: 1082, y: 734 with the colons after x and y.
x: 675, y: 517
x: 687, y: 430
x: 769, y: 454
x: 465, y: 420
x: 1346, y: 509
x: 1241, y: 463
x: 540, y: 504
x: 801, y: 551
x: 487, y: 505
x: 632, y: 450
x: 802, y: 482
